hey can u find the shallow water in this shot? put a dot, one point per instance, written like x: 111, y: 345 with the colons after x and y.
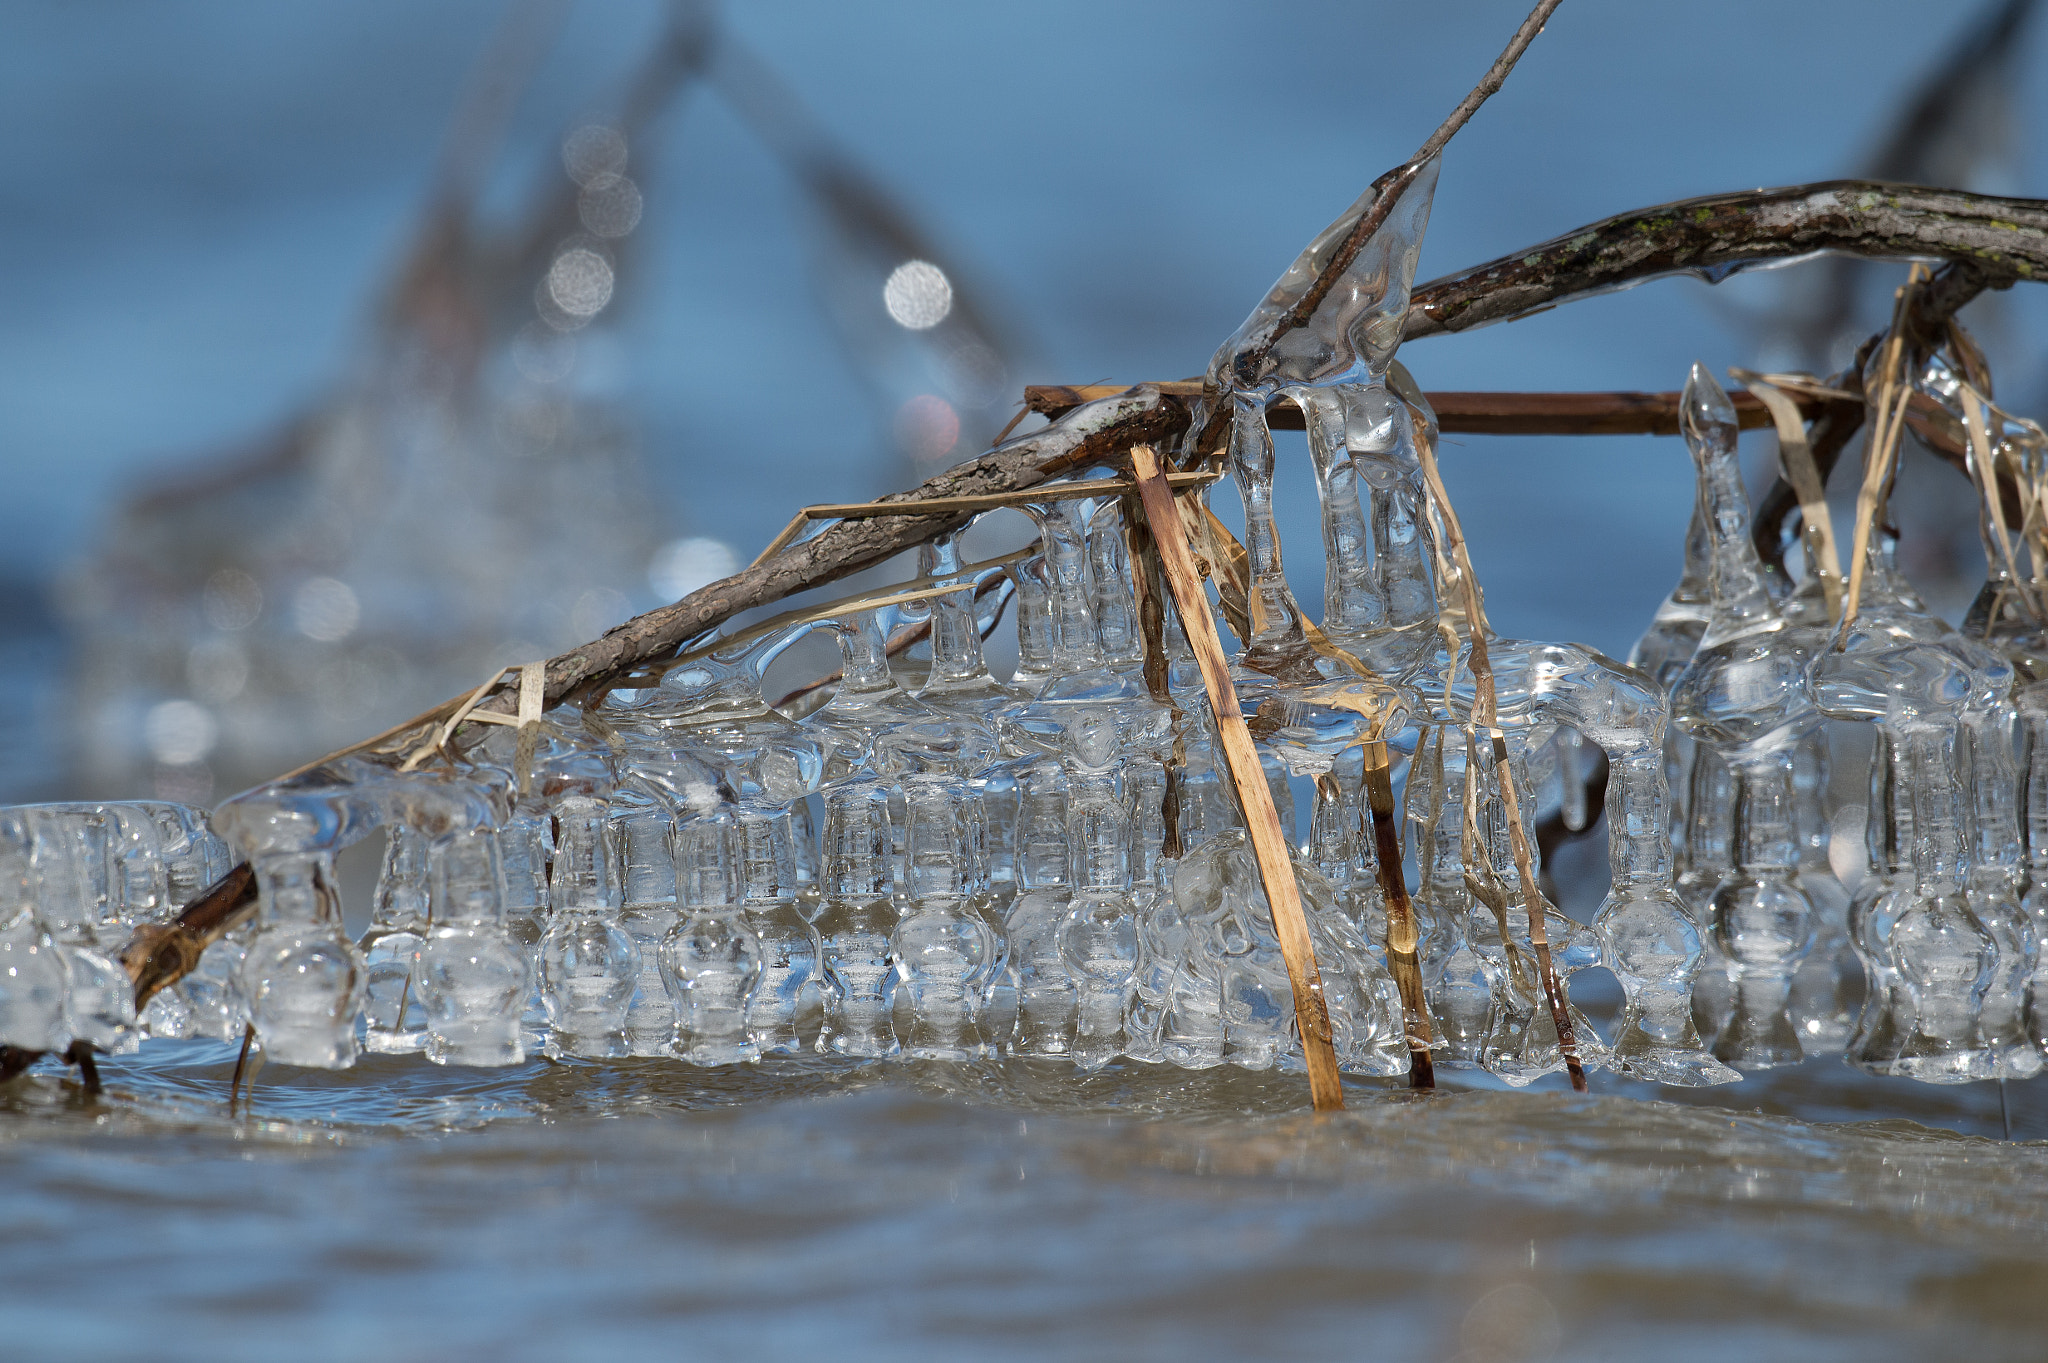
x: 402, y: 1211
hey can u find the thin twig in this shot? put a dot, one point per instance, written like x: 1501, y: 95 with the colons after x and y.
x: 241, y: 1060
x: 1388, y: 189
x: 80, y: 1054
x: 1489, y: 84
x: 1402, y: 937
x: 992, y: 501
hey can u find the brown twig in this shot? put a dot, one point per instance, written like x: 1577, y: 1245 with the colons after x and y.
x: 1241, y: 760
x: 1474, y: 413
x: 160, y: 954
x: 1402, y: 937
x: 80, y: 1054
x: 241, y: 1065
x: 1489, y: 84
x: 993, y: 501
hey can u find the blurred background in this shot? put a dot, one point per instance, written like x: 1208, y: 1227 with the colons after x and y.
x: 351, y: 351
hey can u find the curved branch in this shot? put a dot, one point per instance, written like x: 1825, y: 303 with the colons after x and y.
x: 1098, y: 432
x: 2004, y: 239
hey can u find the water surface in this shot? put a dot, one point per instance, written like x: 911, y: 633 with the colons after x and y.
x: 401, y: 1211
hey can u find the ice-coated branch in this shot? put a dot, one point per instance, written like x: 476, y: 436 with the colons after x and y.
x: 2001, y: 240
x: 1096, y: 433
x: 1387, y: 191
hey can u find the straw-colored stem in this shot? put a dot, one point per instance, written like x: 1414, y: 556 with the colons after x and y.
x: 1241, y: 760
x: 1795, y: 460
x: 1485, y: 712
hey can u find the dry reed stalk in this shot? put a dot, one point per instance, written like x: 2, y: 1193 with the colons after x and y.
x: 1241, y: 760
x: 1402, y: 937
x: 1148, y: 578
x: 1881, y: 453
x: 1983, y: 466
x: 1796, y: 464
x: 1481, y: 878
x: 1485, y: 714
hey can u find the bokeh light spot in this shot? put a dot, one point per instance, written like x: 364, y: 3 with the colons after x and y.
x: 326, y: 610
x: 918, y: 295
x: 927, y: 427
x: 682, y: 566
x: 179, y: 732
x: 580, y: 282
x: 233, y: 600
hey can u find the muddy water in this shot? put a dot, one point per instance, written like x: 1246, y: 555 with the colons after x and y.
x: 816, y: 1209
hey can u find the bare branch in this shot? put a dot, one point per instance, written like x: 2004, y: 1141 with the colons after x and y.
x: 1496, y: 75
x: 2004, y: 239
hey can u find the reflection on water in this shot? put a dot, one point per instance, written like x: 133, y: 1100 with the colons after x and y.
x: 1003, y: 1210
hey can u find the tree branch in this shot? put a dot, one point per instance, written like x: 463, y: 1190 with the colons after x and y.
x: 1097, y: 433
x: 2003, y: 239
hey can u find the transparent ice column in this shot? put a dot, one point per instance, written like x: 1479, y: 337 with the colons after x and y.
x: 1647, y: 938
x: 473, y: 976
x: 1342, y: 848
x: 1161, y: 935
x: 942, y: 944
x: 71, y: 865
x: 959, y: 679
x: 302, y: 977
x: 1945, y: 957
x: 1335, y: 368
x: 711, y: 959
x: 1464, y: 984
x: 1763, y: 921
x: 393, y: 1011
x: 1674, y: 632
x: 1115, y: 603
x: 1914, y: 678
x: 661, y: 787
x: 1098, y: 937
x: 2032, y: 703
x: 855, y: 923
x: 1885, y: 891
x: 1827, y: 991
x: 1743, y: 695
x: 589, y: 965
x: 1038, y: 972
x: 1035, y: 664
x: 1995, y: 884
x: 960, y: 684
x: 32, y: 974
x: 784, y: 1014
